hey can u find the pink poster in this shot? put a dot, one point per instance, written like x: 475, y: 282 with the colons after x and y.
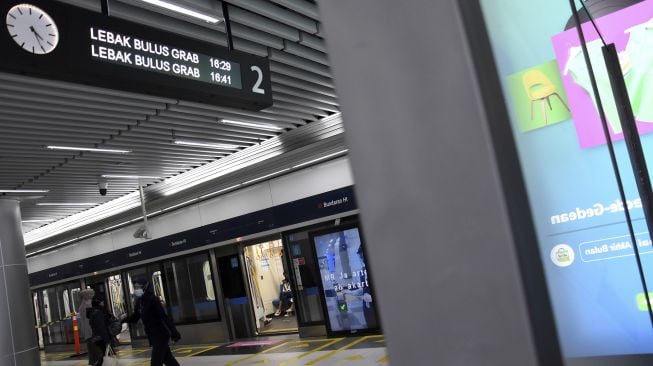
x: 631, y: 29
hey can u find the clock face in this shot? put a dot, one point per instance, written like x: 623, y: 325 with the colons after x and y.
x: 32, y: 29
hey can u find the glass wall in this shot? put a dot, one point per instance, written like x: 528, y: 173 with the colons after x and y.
x: 55, y: 307
x: 151, y: 273
x: 189, y: 285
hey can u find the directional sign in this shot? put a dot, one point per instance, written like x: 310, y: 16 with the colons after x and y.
x: 57, y: 41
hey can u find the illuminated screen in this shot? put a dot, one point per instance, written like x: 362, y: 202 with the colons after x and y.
x: 138, y: 53
x: 345, y: 281
x: 591, y: 271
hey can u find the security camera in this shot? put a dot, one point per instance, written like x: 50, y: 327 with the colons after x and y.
x: 142, y: 233
x: 103, y: 187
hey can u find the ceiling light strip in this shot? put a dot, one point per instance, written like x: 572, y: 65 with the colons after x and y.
x: 68, y: 203
x: 120, y: 176
x: 260, y: 126
x: 24, y: 190
x: 205, y: 144
x: 182, y: 10
x: 93, y: 149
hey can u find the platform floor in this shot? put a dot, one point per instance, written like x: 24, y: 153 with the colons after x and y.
x: 281, y: 351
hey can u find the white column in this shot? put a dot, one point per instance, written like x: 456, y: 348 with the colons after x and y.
x: 18, y: 344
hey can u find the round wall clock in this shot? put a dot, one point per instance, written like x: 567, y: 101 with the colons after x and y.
x: 32, y: 29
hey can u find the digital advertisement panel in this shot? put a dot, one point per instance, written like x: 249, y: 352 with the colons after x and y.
x: 345, y: 281
x: 591, y: 271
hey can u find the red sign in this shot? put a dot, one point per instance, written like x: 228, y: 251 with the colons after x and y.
x: 301, y: 261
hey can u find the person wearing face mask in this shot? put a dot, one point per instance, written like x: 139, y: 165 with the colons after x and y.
x: 85, y: 331
x: 158, y: 326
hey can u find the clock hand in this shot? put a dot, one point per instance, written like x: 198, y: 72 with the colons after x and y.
x: 37, y: 36
x: 36, y: 33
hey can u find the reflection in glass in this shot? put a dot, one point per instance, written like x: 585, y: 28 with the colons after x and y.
x: 191, y: 296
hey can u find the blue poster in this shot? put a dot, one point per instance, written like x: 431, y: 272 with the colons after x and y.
x: 597, y: 297
x: 346, y: 283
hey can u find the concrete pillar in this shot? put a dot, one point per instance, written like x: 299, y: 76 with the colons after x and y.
x: 18, y: 344
x: 447, y: 258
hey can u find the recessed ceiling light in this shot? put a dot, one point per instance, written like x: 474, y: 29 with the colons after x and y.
x: 68, y: 203
x: 79, y: 148
x: 260, y: 126
x: 119, y: 176
x: 185, y: 11
x: 24, y: 190
x: 205, y: 144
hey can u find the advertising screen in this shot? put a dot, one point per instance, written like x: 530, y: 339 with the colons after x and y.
x: 345, y: 280
x: 590, y: 266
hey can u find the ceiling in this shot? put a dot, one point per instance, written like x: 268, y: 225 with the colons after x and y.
x: 36, y: 112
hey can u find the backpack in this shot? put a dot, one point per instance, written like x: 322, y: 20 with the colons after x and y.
x: 114, y: 327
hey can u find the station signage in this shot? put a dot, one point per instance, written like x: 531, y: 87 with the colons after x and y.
x: 57, y: 41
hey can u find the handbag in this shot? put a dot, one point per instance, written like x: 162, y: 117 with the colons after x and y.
x: 110, y: 358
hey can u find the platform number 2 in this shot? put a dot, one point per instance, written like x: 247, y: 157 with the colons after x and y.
x: 257, y: 86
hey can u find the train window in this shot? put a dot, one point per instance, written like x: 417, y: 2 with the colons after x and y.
x: 190, y: 289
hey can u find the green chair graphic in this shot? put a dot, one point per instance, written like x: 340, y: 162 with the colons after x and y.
x: 540, y: 88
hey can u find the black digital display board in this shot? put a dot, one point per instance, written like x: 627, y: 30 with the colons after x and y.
x: 86, y: 47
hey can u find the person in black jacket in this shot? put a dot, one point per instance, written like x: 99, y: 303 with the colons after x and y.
x: 97, y: 316
x: 158, y: 326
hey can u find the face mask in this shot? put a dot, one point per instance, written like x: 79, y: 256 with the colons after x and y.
x: 139, y: 292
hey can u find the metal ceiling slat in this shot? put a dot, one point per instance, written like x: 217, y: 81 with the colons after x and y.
x: 313, y: 42
x: 300, y: 73
x: 300, y: 108
x: 205, y: 134
x: 165, y: 167
x: 263, y: 24
x: 189, y: 113
x: 305, y: 102
x: 35, y: 129
x: 300, y: 62
x: 255, y: 35
x: 165, y: 122
x: 164, y: 146
x: 50, y: 100
x: 31, y: 116
x: 305, y: 52
x: 29, y: 135
x: 302, y: 7
x: 168, y: 143
x: 44, y: 83
x: 13, y: 107
x: 275, y: 111
x: 144, y: 151
x: 301, y: 84
x: 277, y: 13
x: 218, y: 110
x: 63, y: 93
x: 40, y: 143
x: 250, y: 47
x: 305, y: 94
x: 56, y: 125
